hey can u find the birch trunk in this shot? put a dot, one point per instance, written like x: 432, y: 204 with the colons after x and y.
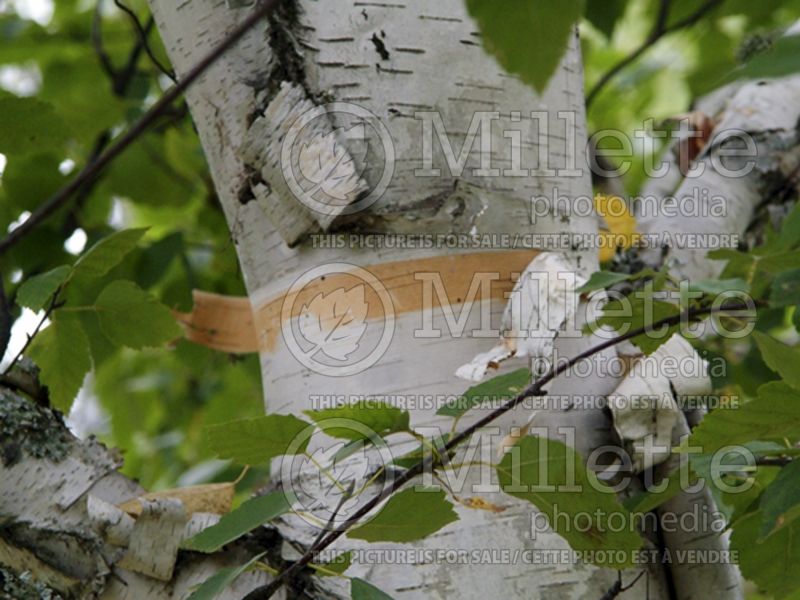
x: 392, y: 59
x: 395, y: 59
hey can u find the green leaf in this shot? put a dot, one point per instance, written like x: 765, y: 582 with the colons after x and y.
x: 432, y: 445
x: 257, y: 440
x: 782, y: 59
x: 739, y: 491
x: 790, y: 230
x: 775, y: 414
x: 66, y: 82
x: 783, y: 359
x: 216, y: 584
x: 108, y: 253
x: 758, y: 268
x: 780, y: 501
x: 101, y: 348
x: 154, y: 261
x: 497, y: 389
x: 786, y: 289
x: 143, y: 175
x: 631, y: 313
x: 409, y: 515
x: 37, y: 291
x: 28, y: 124
x: 604, y: 14
x: 601, y: 280
x: 772, y: 562
x: 361, y: 590
x: 253, y: 513
x: 62, y: 353
x: 528, y: 37
x: 337, y: 566
x: 377, y: 417
x: 538, y: 470
x: 131, y: 317
x: 647, y: 500
x: 719, y: 286
x: 30, y: 180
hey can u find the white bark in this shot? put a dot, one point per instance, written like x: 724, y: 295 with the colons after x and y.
x: 765, y: 112
x: 435, y: 62
x: 59, y: 522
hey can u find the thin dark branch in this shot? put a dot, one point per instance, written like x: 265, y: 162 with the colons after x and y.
x: 345, y: 497
x: 94, y: 168
x: 537, y: 388
x: 659, y: 30
x: 27, y: 383
x: 125, y: 76
x: 51, y: 306
x: 662, y: 18
x: 97, y: 42
x: 6, y: 320
x: 120, y: 82
x: 773, y: 461
x: 634, y: 582
x: 143, y: 32
x: 615, y: 589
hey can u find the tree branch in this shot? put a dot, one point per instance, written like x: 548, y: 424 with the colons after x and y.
x: 97, y: 41
x: 93, y: 169
x: 5, y: 320
x: 143, y: 32
x: 660, y: 29
x: 537, y: 388
x: 773, y: 461
x: 54, y: 303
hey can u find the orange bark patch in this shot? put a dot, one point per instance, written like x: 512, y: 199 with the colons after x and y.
x: 231, y: 325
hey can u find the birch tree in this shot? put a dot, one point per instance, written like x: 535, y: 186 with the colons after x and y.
x: 341, y: 139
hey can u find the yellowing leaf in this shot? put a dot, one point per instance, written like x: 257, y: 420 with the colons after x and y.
x: 210, y: 498
x: 620, y: 225
x: 479, y: 503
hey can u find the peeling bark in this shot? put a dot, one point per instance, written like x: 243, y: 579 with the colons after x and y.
x: 59, y: 522
x: 395, y: 59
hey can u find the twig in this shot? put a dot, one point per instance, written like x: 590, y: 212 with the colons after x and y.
x: 143, y: 32
x: 120, y: 82
x: 616, y: 589
x: 6, y: 320
x: 97, y: 41
x: 535, y: 389
x: 93, y: 169
x: 54, y: 304
x: 28, y: 384
x: 773, y: 461
x: 348, y: 492
x: 660, y: 29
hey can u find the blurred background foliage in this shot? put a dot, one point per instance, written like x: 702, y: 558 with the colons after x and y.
x: 89, y: 66
x: 83, y: 70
